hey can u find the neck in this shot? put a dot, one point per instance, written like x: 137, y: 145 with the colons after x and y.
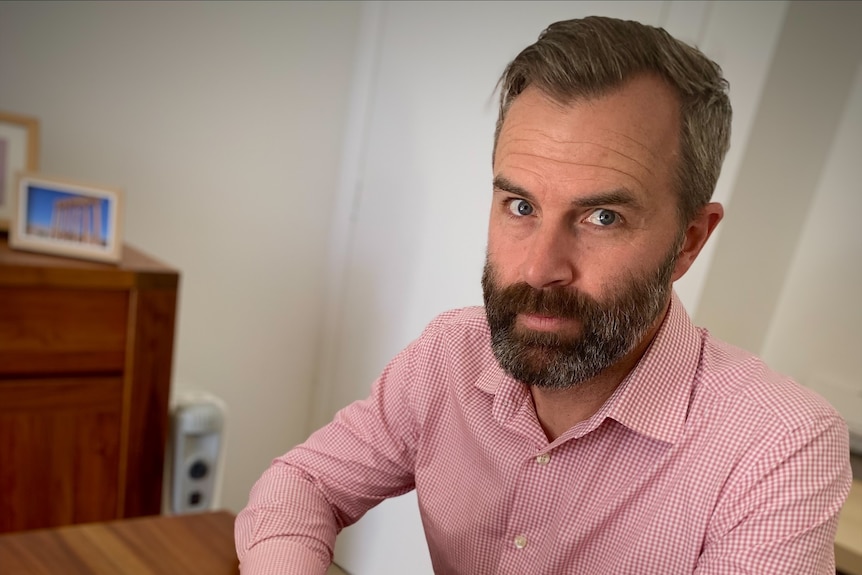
x: 558, y: 410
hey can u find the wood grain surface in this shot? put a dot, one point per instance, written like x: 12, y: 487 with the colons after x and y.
x: 59, y: 451
x: 44, y: 330
x: 848, y: 540
x: 179, y: 545
x: 20, y: 268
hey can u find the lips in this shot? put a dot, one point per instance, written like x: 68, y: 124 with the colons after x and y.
x: 539, y: 322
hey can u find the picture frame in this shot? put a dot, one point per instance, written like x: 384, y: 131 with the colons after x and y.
x: 19, y: 152
x: 68, y: 218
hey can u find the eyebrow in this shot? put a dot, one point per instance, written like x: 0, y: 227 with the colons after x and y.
x: 502, y: 183
x: 615, y: 197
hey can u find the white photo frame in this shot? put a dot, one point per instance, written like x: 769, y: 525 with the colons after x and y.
x: 63, y: 217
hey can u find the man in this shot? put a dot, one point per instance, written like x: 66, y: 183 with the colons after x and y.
x: 579, y: 423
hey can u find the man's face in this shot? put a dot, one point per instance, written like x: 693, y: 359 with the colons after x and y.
x: 584, y: 233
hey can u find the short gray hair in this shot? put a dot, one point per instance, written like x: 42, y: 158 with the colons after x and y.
x: 587, y: 58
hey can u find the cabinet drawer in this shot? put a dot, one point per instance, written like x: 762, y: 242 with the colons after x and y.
x: 45, y: 331
x: 59, y: 451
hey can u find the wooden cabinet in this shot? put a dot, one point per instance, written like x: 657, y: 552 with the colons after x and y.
x: 85, y: 368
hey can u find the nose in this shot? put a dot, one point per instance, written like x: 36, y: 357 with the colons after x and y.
x: 549, y: 258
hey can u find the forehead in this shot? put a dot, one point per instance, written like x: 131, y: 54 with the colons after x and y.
x: 627, y: 138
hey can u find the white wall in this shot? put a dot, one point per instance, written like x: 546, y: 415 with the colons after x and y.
x: 806, y: 91
x: 816, y: 334
x: 223, y: 122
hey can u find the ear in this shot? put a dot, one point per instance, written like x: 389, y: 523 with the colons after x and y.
x: 696, y: 233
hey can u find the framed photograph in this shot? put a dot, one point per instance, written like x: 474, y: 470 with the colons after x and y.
x: 19, y: 152
x: 58, y: 216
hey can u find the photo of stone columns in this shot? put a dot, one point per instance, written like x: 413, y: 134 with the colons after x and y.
x: 79, y: 220
x: 67, y: 217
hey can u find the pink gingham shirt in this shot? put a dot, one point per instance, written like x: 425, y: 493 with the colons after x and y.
x: 702, y: 461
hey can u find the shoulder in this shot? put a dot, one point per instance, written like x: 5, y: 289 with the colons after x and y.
x: 464, y: 330
x: 732, y: 375
x: 779, y: 454
x: 461, y: 320
x: 446, y: 361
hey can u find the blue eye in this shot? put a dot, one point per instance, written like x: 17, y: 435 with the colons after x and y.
x: 603, y: 217
x: 520, y: 207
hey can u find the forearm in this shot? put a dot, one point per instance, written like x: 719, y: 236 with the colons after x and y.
x: 308, y: 495
x: 288, y: 526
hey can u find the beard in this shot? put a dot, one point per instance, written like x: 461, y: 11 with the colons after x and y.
x: 609, y: 329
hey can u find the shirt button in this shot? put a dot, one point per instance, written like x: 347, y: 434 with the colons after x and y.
x: 520, y: 542
x: 543, y: 459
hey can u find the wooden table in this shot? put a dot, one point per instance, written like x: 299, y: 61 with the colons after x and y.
x: 178, y: 545
x: 848, y: 540
x: 203, y: 543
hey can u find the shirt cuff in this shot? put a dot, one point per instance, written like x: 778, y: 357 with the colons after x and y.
x: 282, y: 556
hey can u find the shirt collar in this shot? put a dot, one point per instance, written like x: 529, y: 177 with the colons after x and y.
x: 655, y: 395
x: 652, y: 400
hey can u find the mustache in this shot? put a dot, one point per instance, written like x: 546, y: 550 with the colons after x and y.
x: 562, y: 302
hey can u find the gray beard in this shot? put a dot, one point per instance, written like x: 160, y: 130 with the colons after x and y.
x: 609, y: 329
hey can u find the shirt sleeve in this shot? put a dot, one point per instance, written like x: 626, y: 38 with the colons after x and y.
x: 307, y: 496
x: 780, y: 515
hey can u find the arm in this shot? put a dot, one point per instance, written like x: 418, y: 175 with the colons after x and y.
x: 780, y: 515
x: 307, y: 496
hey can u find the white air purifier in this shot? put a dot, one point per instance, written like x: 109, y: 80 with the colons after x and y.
x: 197, y: 427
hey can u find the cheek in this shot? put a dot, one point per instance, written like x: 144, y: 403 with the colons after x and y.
x: 507, y: 234
x: 505, y: 255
